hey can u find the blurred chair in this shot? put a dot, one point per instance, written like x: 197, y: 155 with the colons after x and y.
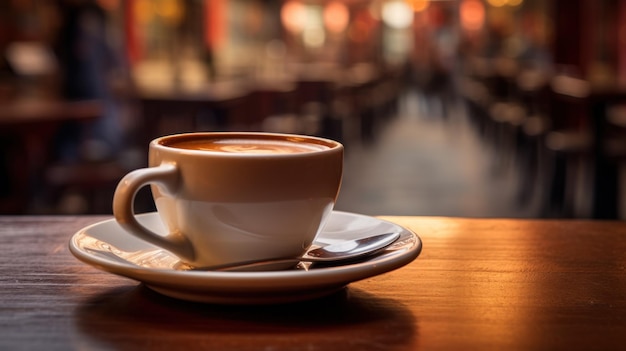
x: 608, y: 108
x: 533, y: 95
x: 27, y: 131
x: 84, y: 187
x: 15, y: 194
x: 569, y: 143
x: 314, y: 99
x: 274, y: 106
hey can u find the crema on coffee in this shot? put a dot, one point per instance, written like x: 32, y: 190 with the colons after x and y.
x: 249, y: 146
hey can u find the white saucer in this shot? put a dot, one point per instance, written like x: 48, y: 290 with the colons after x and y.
x: 105, y: 245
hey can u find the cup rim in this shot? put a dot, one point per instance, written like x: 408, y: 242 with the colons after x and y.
x: 162, y: 142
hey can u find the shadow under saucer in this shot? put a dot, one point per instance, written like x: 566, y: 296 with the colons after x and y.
x: 135, y: 317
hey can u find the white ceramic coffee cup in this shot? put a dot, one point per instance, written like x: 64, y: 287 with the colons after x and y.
x: 238, y: 203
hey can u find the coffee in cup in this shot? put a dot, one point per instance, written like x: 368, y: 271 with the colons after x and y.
x: 235, y: 197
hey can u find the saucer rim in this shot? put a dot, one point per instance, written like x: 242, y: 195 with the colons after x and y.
x: 210, y: 286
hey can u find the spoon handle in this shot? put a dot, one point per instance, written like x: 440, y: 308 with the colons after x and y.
x: 267, y: 265
x: 346, y: 251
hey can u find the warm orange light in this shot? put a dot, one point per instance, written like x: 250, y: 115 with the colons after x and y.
x: 501, y: 3
x: 171, y: 11
x: 361, y: 27
x: 293, y: 16
x: 472, y: 14
x: 336, y: 16
x: 419, y: 5
x: 143, y: 11
x: 497, y: 3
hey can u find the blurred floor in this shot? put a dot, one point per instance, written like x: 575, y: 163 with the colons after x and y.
x: 424, y: 164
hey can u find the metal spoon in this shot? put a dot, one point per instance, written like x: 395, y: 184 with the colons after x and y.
x: 334, y: 253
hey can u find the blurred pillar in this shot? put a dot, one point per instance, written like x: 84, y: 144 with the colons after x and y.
x: 131, y: 30
x: 214, y: 13
x: 570, y: 31
x: 621, y: 42
x: 586, y: 33
x: 214, y: 22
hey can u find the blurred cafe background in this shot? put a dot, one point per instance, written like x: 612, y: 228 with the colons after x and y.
x: 477, y: 108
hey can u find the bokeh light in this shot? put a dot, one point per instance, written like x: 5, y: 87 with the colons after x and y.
x: 336, y: 16
x: 397, y: 14
x: 419, y: 5
x: 472, y: 14
x: 293, y: 16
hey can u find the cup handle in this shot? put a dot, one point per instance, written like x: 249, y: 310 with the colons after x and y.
x: 166, y: 176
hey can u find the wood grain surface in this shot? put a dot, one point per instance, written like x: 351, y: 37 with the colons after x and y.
x: 479, y: 284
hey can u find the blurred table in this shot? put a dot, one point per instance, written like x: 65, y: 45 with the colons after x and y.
x: 33, y: 113
x: 171, y: 108
x: 480, y: 284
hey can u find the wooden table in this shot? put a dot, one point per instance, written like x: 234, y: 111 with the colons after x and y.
x: 479, y: 284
